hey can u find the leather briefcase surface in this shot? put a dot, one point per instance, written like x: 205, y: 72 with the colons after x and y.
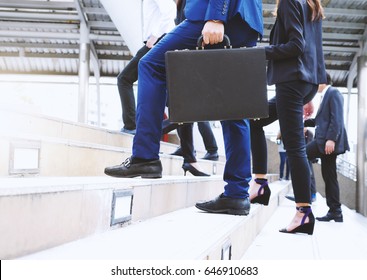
x: 216, y: 84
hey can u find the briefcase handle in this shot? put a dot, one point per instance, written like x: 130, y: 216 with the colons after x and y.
x: 227, y: 42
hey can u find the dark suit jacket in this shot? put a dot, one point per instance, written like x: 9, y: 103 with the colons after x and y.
x: 295, y: 51
x: 329, y: 122
x: 250, y: 11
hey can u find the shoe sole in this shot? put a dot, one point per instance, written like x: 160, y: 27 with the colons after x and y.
x: 143, y: 176
x: 336, y: 220
x: 226, y: 211
x: 213, y: 159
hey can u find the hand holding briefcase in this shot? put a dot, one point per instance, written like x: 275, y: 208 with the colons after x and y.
x: 216, y: 84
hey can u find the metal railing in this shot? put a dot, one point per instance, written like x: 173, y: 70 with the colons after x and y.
x: 346, y: 168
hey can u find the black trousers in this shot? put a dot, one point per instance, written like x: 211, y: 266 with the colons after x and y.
x: 329, y: 175
x: 125, y: 81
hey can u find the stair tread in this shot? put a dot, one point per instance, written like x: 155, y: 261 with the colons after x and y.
x: 330, y: 241
x: 163, y: 237
x: 183, y: 234
x: 21, y: 185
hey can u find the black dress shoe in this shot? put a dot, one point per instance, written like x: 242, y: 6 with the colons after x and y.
x: 178, y: 152
x: 336, y: 216
x: 226, y: 205
x: 211, y: 156
x: 128, y: 169
x: 167, y: 126
x: 188, y: 167
x: 290, y: 197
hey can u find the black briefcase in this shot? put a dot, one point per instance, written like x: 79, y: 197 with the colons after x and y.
x: 216, y: 84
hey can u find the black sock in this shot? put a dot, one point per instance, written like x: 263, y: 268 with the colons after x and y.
x: 139, y: 160
x: 260, y: 180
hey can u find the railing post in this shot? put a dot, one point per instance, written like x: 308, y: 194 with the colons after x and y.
x: 84, y: 66
x: 361, y: 193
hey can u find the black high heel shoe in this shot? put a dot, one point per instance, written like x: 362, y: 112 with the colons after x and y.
x: 303, y: 227
x: 188, y: 167
x: 265, y: 197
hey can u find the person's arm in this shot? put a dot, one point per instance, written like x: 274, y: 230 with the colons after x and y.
x: 167, y: 12
x: 336, y: 119
x: 213, y: 32
x: 291, y: 18
x: 215, y: 17
x: 308, y: 110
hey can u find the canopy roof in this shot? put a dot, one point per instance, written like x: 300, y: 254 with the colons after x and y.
x: 42, y: 37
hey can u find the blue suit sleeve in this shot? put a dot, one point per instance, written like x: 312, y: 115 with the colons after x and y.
x: 218, y: 10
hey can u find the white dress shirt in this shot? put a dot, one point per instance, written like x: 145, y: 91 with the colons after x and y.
x: 158, y: 17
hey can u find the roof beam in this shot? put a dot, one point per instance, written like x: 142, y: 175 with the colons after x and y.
x: 57, y: 35
x: 118, y: 57
x: 49, y: 5
x: 22, y: 16
x: 39, y: 25
x: 35, y: 45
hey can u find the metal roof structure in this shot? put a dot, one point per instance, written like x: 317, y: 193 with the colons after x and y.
x: 43, y: 37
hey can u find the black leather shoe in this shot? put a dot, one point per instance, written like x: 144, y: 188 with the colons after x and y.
x: 127, y: 169
x: 226, y: 205
x: 167, y: 126
x: 336, y: 216
x: 178, y: 152
x: 211, y: 156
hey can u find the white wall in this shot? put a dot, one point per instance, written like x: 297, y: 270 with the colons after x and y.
x: 127, y: 17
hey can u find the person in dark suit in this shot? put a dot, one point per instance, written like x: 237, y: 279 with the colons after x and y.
x: 330, y: 141
x: 158, y: 19
x: 296, y: 67
x: 241, y: 21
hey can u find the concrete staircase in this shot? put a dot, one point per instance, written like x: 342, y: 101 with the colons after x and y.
x: 184, y: 234
x: 54, y: 199
x: 43, y: 146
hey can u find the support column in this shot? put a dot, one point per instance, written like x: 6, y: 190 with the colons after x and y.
x: 361, y: 198
x: 84, y: 58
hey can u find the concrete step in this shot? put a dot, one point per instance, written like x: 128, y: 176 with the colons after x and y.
x: 43, y: 212
x: 182, y: 234
x: 36, y: 145
x: 345, y: 241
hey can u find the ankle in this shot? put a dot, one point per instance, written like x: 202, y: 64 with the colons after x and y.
x: 140, y: 160
x: 260, y: 181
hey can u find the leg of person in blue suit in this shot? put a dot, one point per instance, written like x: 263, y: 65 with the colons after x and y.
x: 152, y: 97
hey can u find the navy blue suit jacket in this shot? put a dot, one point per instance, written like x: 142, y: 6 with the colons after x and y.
x: 329, y: 122
x: 224, y: 10
x: 295, y: 51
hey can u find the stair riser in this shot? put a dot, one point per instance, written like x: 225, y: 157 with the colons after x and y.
x: 31, y: 222
x: 60, y: 157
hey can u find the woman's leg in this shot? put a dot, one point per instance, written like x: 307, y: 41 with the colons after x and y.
x: 187, y: 142
x: 290, y: 98
x: 208, y: 137
x: 259, y: 150
x: 258, y: 141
